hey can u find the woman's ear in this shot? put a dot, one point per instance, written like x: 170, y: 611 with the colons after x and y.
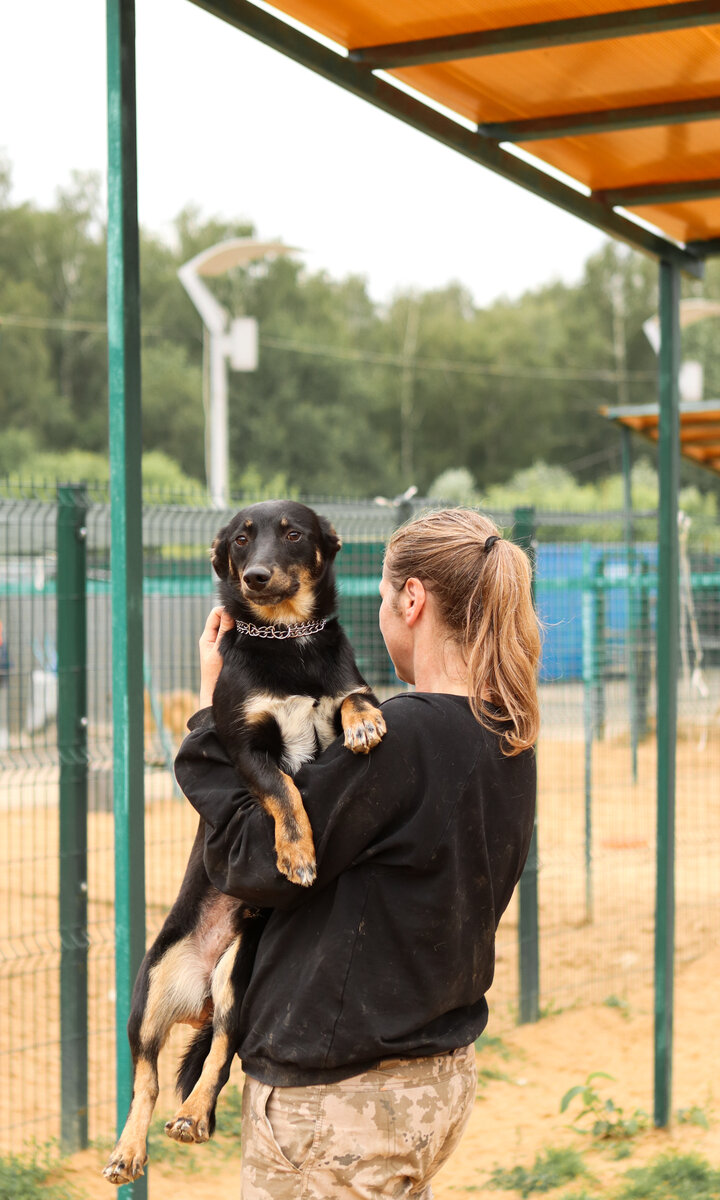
x: 219, y: 554
x: 413, y: 599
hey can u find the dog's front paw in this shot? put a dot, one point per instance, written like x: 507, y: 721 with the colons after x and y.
x: 186, y: 1128
x: 126, y: 1163
x: 296, y: 860
x: 367, y: 731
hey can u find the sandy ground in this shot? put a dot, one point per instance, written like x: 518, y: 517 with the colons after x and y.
x: 518, y: 1114
x: 596, y: 919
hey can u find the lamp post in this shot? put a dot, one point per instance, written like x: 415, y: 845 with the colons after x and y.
x: 234, y: 341
x: 691, y: 372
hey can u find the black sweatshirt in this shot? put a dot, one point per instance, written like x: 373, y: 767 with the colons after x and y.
x: 419, y: 847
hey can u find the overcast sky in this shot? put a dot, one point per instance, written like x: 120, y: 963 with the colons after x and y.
x: 241, y: 131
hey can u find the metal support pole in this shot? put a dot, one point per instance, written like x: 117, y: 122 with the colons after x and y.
x: 626, y: 445
x: 218, y: 479
x: 528, y: 919
x: 72, y: 753
x: 126, y: 548
x: 667, y: 669
x: 588, y: 668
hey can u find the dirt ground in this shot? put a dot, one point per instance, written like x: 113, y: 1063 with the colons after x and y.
x: 596, y: 896
x: 518, y: 1114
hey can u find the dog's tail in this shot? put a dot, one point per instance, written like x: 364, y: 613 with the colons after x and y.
x: 190, y: 1068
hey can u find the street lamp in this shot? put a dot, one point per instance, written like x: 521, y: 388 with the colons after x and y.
x: 691, y: 373
x: 234, y: 341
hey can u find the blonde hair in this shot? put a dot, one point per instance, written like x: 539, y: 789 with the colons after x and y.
x: 484, y: 597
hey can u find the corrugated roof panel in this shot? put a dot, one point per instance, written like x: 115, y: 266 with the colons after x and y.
x: 589, y: 76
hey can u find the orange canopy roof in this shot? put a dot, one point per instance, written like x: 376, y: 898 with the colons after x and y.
x: 699, y: 428
x: 624, y: 100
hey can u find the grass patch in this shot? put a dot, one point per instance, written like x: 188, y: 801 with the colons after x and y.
x: 552, y: 1168
x: 224, y: 1142
x: 621, y: 1005
x: 694, y: 1115
x: 496, y: 1044
x: 672, y: 1177
x: 27, y: 1177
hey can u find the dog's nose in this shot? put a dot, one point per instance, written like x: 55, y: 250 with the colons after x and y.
x: 256, y: 577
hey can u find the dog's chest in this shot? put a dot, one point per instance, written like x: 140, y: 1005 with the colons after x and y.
x: 306, y: 725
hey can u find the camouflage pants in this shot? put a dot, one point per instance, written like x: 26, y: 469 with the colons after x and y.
x: 381, y: 1134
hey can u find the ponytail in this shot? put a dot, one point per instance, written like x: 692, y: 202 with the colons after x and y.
x: 481, y: 584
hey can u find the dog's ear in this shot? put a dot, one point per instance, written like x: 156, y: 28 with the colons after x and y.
x: 330, y: 541
x: 219, y: 554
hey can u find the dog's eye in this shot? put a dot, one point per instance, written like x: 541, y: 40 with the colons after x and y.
x: 293, y: 535
x: 241, y: 539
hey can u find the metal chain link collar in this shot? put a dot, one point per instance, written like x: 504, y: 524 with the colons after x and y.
x: 303, y: 629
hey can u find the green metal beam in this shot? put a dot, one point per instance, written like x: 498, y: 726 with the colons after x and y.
x: 667, y: 672
x: 657, y: 18
x: 675, y: 191
x: 126, y: 546
x: 707, y: 249
x: 608, y: 120
x: 360, y: 82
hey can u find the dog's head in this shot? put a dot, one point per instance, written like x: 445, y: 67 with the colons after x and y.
x: 274, y: 558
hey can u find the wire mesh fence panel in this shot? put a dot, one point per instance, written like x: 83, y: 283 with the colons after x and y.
x: 596, y: 593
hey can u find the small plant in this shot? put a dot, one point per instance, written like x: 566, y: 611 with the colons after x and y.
x: 607, y: 1121
x: 582, y: 1195
x: 672, y: 1177
x: 621, y: 1005
x: 26, y: 1178
x: 491, y: 1074
x: 161, y: 1148
x: 551, y: 1169
x: 694, y: 1115
x: 496, y: 1044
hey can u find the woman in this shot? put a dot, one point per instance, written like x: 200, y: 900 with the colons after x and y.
x: 368, y: 989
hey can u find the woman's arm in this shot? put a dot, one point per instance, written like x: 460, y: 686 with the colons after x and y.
x: 350, y: 799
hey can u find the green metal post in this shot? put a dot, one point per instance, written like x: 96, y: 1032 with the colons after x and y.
x: 626, y: 445
x: 588, y: 669
x: 528, y: 920
x: 667, y: 669
x: 72, y: 753
x: 126, y: 517
x: 598, y: 687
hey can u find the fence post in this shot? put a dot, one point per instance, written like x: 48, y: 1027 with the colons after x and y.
x: 528, y: 923
x: 72, y: 753
x: 126, y: 546
x: 588, y: 672
x: 667, y: 671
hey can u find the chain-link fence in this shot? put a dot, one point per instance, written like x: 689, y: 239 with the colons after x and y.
x: 596, y: 588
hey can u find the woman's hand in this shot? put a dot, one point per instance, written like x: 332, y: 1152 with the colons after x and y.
x: 216, y: 627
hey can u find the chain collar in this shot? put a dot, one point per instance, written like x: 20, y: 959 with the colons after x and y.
x: 303, y: 629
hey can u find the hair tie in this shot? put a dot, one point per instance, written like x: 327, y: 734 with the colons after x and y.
x: 491, y: 542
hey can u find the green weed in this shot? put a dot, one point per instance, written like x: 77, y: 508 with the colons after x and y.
x: 672, y: 1177
x: 693, y: 1116
x: 582, y: 1195
x: 27, y: 1178
x: 621, y: 1005
x: 496, y: 1044
x: 551, y: 1169
x: 492, y: 1074
x: 605, y: 1119
x: 161, y: 1148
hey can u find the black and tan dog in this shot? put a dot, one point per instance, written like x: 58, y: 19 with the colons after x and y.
x: 288, y: 685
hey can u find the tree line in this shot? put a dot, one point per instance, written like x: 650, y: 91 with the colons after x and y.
x: 350, y: 397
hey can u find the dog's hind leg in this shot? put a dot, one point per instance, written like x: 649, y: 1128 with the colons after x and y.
x: 195, y: 1119
x: 169, y: 988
